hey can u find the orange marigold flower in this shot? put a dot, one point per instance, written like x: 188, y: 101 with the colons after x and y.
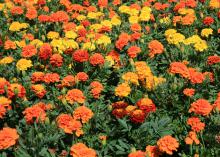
x: 51, y: 78
x: 44, y: 18
x: 196, y: 124
x: 3, y: 83
x: 34, y: 113
x: 129, y: 109
x: 56, y: 60
x: 81, y: 150
x: 31, y: 13
x: 39, y: 90
x: 82, y: 76
x: 155, y: 47
x: 152, y: 151
x: 138, y: 153
x: 167, y: 144
x: 82, y: 113
x: 37, y: 77
x: 103, y: 3
x: 16, y: 90
x: 133, y: 51
x: 68, y: 81
x: 138, y: 116
x: 179, y: 68
x: 122, y: 90
x: 189, y: 92
x: 146, y: 105
x: 68, y: 124
x: 28, y: 51
x: 28, y: 36
x: 8, y: 137
x: 192, y: 137
x: 97, y: 59
x: 45, y: 51
x: 59, y: 16
x: 135, y: 27
x: 80, y: 55
x: 9, y: 45
x: 75, y: 95
x: 2, y: 111
x: 97, y: 88
x: 201, y: 107
x: 16, y: 10
x: 122, y: 41
x: 195, y: 76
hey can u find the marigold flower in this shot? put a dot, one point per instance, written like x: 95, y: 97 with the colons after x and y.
x: 75, y: 95
x: 131, y: 77
x: 51, y: 78
x: 68, y: 124
x: 122, y: 41
x: 138, y: 153
x: 146, y: 105
x: 138, y: 116
x: 9, y: 45
x: 15, y: 89
x: 16, y: 10
x: 82, y: 76
x: 167, y: 144
x: 97, y: 59
x: 45, y: 51
x: 82, y: 113
x: 201, y: 107
x: 81, y: 55
x: 56, y: 60
x: 122, y: 90
x: 196, y: 124
x: 39, y: 90
x: 97, y: 88
x: 192, y: 137
x: 152, y: 151
x: 189, y: 92
x: 34, y: 113
x: 68, y: 81
x: 3, y: 83
x: 179, y: 68
x: 213, y: 60
x: 37, y: 77
x: 8, y: 137
x: 24, y: 64
x: 31, y: 13
x: 155, y: 47
x: 28, y: 51
x: 81, y: 150
x: 6, y: 60
x: 206, y: 32
x: 59, y: 16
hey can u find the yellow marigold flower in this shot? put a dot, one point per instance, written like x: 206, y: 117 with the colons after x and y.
x: 5, y: 101
x: 110, y: 60
x: 71, y: 44
x: 21, y: 43
x: 201, y: 45
x: 16, y: 26
x: 104, y: 39
x: 124, y: 9
x: 184, y: 11
x: 133, y: 19
x: 24, y: 64
x: 206, y: 32
x: 70, y: 34
x: 133, y: 12
x: 142, y: 70
x: 94, y: 15
x: 122, y: 90
x: 215, y: 4
x: 52, y: 35
x: 115, y: 21
x: 81, y: 17
x: 165, y: 20
x: 106, y: 23
x: 130, y: 77
x: 145, y: 14
x: 153, y: 81
x: 170, y: 32
x: 192, y: 40
x: 7, y: 60
x: 89, y: 46
x: 37, y: 43
x: 95, y: 27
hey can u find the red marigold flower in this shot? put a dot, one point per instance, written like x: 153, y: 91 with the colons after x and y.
x: 133, y: 51
x: 196, y: 124
x: 80, y: 55
x: 8, y: 137
x: 208, y: 20
x: 96, y: 59
x: 153, y: 151
x: 189, y: 92
x: 138, y: 153
x: 75, y: 95
x: 155, y: 47
x: 119, y: 112
x: 56, y: 60
x: 45, y: 51
x: 51, y: 78
x: 82, y: 76
x: 201, y: 107
x: 34, y: 113
x: 167, y: 144
x: 81, y: 150
x: 37, y: 77
x: 28, y: 51
x: 83, y: 113
x: 213, y: 60
x: 146, y: 105
x: 68, y: 124
x: 138, y: 116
